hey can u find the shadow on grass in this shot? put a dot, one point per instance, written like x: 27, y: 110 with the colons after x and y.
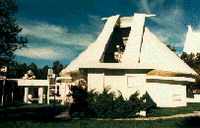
x: 190, y: 122
x: 191, y: 107
x: 41, y: 113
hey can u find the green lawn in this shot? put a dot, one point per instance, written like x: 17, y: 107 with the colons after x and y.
x: 92, y: 124
x: 172, y: 111
x: 31, y: 112
x: 41, y: 116
x: 173, y: 123
x: 43, y: 111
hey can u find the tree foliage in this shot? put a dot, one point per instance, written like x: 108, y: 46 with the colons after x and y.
x: 9, y: 31
x: 17, y: 70
x: 172, y: 48
x: 193, y: 60
x: 106, y: 104
x: 57, y: 67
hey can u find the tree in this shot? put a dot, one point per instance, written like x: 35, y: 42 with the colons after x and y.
x: 44, y: 71
x: 21, y: 69
x: 17, y: 70
x: 9, y: 31
x: 188, y: 58
x: 33, y: 67
x: 172, y: 48
x: 57, y: 67
x: 193, y: 60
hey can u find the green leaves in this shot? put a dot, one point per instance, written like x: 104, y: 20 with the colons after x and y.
x: 9, y: 30
x: 109, y: 105
x: 193, y: 60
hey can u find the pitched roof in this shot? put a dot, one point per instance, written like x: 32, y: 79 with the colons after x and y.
x: 94, y: 51
x: 143, y: 50
x: 158, y: 56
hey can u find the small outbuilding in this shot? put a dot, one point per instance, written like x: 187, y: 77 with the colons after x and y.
x: 128, y: 57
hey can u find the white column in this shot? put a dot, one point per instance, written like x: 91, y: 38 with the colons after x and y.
x: 63, y: 93
x: 25, y: 94
x: 40, y: 95
x: 56, y: 89
x: 48, y: 94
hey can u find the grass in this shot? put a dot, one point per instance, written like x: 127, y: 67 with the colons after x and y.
x: 92, y: 124
x: 192, y: 122
x: 31, y: 112
x: 35, y: 111
x: 41, y: 116
x: 191, y: 107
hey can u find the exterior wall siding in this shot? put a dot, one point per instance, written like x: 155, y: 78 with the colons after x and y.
x: 167, y: 95
x: 96, y: 81
x: 163, y: 94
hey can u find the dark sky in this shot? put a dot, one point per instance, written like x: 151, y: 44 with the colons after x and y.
x: 61, y: 29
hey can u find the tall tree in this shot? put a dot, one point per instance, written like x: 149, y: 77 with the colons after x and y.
x: 57, y: 67
x: 9, y: 31
x: 193, y: 60
x: 44, y: 71
x: 33, y: 67
x: 189, y: 59
x: 172, y: 48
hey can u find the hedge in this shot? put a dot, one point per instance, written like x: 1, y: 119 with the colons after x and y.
x: 107, y: 104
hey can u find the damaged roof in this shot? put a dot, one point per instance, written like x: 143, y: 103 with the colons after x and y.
x: 143, y: 50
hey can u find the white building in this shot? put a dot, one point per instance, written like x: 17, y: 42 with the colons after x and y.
x: 192, y: 42
x: 128, y: 57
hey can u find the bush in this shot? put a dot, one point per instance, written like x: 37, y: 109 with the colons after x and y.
x: 190, y: 122
x: 107, y: 105
x: 80, y: 104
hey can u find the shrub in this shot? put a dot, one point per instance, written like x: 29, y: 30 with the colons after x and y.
x: 79, y: 105
x: 107, y: 105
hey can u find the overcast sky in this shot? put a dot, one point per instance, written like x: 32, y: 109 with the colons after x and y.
x: 61, y: 29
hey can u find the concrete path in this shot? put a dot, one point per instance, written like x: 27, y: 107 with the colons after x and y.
x: 194, y: 114
x: 66, y: 116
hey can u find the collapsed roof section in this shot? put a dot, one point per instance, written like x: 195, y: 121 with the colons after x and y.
x: 125, y: 43
x: 94, y: 52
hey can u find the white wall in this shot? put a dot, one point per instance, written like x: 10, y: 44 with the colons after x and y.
x: 127, y: 84
x: 115, y: 83
x: 167, y: 95
x: 96, y: 81
x: 196, y: 99
x: 163, y: 94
